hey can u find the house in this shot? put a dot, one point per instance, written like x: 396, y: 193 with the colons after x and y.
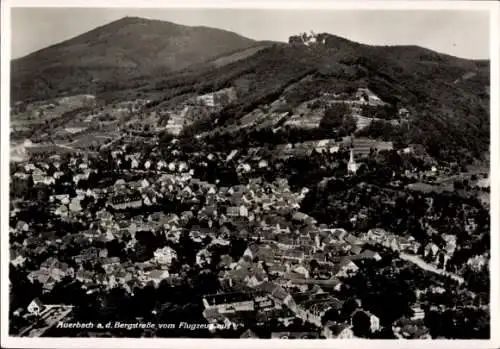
x: 164, y: 256
x: 209, y: 211
x: 391, y: 242
x: 333, y: 235
x: 110, y: 262
x: 356, y: 250
x: 301, y: 270
x: 338, y: 331
x: 203, y: 257
x: 35, y: 307
x: 476, y: 263
x: 243, y: 211
x: 375, y: 234
x: 431, y: 250
x: 374, y: 320
x: 155, y: 276
x: 233, y: 211
x: 276, y: 293
x: 231, y: 155
x: 37, y: 175
x: 18, y: 261
x: 408, y: 243
x: 213, y: 316
x: 22, y: 226
x: 183, y: 166
x: 345, y: 268
x: 249, y: 334
x: 303, y: 218
x: 277, y: 269
x: 122, y: 201
x: 294, y: 335
x: 56, y: 269
x: 294, y: 255
x: 245, y: 168
x: 237, y: 211
x: 352, y: 240
x: 332, y: 283
x: 450, y: 243
x: 369, y: 254
x: 418, y: 313
x: 316, y: 309
x: 404, y: 328
x: 230, y: 302
x: 161, y: 164
x: 403, y: 113
x: 84, y: 276
x: 262, y: 164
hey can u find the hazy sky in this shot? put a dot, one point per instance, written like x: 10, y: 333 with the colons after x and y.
x: 459, y: 33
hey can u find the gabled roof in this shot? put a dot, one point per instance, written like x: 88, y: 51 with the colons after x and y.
x: 212, y: 314
x: 37, y: 302
x: 158, y: 274
x: 351, y: 239
x: 356, y: 249
x: 279, y: 293
x: 249, y: 334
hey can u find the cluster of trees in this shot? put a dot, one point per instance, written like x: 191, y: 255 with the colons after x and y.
x: 384, y: 130
x: 388, y: 291
x: 338, y: 121
x: 382, y: 291
x: 397, y: 210
x: 459, y: 323
x: 385, y: 112
x: 389, y: 79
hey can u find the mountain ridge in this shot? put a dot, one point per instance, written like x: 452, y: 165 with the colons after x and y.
x: 448, y: 96
x: 130, y: 46
x: 450, y: 118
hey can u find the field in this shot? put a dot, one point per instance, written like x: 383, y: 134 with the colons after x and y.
x: 85, y: 141
x: 308, y: 121
x: 48, y: 148
x: 428, y: 188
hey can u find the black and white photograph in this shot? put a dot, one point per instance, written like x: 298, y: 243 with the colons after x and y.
x: 249, y: 173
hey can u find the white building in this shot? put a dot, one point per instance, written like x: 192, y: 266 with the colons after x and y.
x: 352, y: 166
x: 164, y: 256
x: 35, y: 307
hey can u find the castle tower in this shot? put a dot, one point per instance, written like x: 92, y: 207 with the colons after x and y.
x: 352, y: 166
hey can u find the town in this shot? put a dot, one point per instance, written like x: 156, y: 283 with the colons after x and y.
x: 117, y: 214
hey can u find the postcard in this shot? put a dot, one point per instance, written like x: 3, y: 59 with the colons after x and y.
x: 249, y: 174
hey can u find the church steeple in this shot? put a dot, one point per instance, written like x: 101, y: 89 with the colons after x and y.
x: 352, y: 166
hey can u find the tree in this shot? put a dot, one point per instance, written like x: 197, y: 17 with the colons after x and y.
x: 361, y: 324
x: 237, y: 247
x: 313, y: 265
x: 330, y: 315
x: 348, y: 308
x: 333, y: 116
x: 295, y: 40
x: 383, y: 288
x: 349, y: 124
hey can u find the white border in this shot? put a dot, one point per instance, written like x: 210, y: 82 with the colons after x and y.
x: 12, y: 342
x: 263, y: 4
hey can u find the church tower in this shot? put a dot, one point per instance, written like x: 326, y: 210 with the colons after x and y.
x: 352, y: 166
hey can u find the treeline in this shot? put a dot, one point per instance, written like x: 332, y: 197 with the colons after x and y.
x: 385, y: 112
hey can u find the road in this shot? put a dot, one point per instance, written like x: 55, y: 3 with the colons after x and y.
x: 429, y: 267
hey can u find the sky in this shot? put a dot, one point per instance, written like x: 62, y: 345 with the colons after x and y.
x: 462, y: 33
